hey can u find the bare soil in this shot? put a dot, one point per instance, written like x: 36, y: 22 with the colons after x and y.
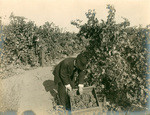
x: 29, y: 90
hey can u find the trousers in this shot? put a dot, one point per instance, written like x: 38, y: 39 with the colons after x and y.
x: 63, y: 96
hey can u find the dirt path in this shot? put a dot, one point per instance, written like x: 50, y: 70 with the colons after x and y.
x: 30, y: 90
x: 27, y: 92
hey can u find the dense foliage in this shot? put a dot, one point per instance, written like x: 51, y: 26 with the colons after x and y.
x: 117, y: 65
x: 26, y: 43
x: 86, y: 100
x: 117, y: 53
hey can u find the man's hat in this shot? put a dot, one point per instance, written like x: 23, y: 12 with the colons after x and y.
x: 81, y: 61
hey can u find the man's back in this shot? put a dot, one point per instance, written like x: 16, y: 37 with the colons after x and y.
x: 65, y: 67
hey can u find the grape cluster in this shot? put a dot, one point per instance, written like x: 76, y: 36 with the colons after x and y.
x: 86, y: 100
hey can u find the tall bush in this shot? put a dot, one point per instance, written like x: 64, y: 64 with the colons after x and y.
x: 117, y: 65
x: 26, y: 43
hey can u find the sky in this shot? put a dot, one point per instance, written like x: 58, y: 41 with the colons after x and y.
x: 62, y: 12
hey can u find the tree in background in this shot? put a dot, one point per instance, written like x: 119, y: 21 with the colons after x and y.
x: 27, y: 44
x: 117, y: 64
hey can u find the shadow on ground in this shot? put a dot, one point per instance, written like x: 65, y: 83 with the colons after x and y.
x: 50, y: 87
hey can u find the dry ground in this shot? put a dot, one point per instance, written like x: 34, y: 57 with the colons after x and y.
x: 29, y: 90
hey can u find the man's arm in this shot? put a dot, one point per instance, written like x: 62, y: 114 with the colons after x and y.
x: 81, y: 81
x: 81, y: 76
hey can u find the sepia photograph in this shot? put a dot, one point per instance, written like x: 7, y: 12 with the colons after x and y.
x: 74, y: 57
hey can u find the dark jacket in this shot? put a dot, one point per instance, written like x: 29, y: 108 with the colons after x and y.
x: 64, y: 72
